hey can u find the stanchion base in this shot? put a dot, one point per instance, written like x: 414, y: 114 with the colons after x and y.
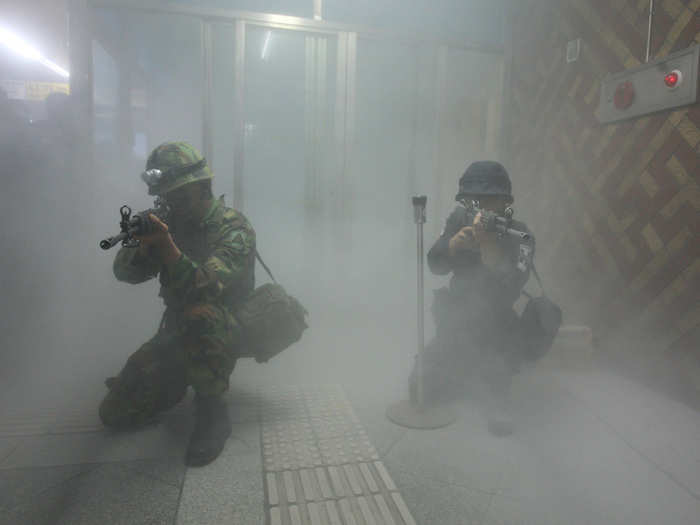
x: 407, y: 415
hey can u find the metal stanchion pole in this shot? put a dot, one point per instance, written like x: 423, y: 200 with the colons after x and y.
x: 419, y: 217
x: 414, y: 413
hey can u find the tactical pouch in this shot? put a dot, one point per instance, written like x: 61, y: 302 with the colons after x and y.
x: 271, y: 320
x: 540, y: 322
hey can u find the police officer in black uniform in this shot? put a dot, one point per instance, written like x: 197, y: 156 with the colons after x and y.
x: 477, y: 342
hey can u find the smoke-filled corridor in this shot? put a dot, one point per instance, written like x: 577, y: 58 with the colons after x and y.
x: 522, y: 349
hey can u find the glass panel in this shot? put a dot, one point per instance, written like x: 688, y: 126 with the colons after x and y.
x: 223, y: 108
x: 148, y: 77
x: 387, y: 148
x: 168, y: 48
x: 288, y: 108
x: 105, y: 83
x: 459, y: 20
x: 470, y: 117
x: 300, y: 8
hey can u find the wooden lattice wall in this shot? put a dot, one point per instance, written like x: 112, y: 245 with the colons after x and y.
x: 615, y: 207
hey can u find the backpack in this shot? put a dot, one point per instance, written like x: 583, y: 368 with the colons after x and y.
x: 271, y: 320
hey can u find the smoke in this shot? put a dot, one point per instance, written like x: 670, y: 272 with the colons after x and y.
x: 329, y: 170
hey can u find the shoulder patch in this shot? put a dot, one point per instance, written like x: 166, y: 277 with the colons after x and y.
x: 524, y: 257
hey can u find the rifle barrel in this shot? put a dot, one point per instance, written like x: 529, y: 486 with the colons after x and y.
x: 111, y: 242
x: 518, y: 234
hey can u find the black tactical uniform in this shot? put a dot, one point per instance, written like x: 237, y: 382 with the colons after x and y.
x: 477, y: 330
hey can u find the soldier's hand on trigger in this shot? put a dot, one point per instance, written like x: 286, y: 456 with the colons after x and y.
x: 462, y: 241
x: 159, y: 243
x: 480, y: 233
x: 473, y: 237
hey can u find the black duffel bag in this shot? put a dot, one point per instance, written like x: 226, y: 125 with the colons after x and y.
x: 540, y: 322
x: 271, y: 320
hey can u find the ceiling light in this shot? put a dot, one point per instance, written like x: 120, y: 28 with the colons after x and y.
x: 25, y: 50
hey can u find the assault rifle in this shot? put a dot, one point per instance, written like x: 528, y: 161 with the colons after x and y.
x: 492, y: 222
x: 135, y: 225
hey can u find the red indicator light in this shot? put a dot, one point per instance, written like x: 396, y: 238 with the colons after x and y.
x: 673, y: 79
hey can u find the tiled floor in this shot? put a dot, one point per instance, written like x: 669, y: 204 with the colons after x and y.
x: 590, y: 448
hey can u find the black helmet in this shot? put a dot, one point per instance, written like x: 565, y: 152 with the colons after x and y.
x: 484, y: 177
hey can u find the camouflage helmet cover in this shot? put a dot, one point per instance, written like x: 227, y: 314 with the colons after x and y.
x: 179, y: 163
x: 484, y: 177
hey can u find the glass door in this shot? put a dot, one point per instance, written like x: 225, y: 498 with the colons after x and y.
x: 288, y: 108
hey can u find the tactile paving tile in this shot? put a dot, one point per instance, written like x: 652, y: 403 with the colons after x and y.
x: 335, y: 425
x: 347, y: 449
x: 288, y: 406
x: 282, y: 414
x: 330, y: 407
x: 321, y: 469
x: 285, y: 431
x: 290, y: 455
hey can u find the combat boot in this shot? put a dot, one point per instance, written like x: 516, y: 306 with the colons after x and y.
x: 212, y: 429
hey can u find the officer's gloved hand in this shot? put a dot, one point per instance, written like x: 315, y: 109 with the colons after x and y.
x: 463, y: 241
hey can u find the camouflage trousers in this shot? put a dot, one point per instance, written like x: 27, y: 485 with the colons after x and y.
x: 194, y: 347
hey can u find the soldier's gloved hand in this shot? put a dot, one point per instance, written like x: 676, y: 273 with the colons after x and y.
x: 160, y: 243
x: 462, y: 241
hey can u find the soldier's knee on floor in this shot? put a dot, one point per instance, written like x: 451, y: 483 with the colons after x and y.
x: 112, y: 414
x: 117, y: 414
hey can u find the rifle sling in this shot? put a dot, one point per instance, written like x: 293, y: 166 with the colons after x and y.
x: 257, y: 256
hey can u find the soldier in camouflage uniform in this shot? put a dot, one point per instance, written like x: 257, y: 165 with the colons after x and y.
x: 477, y: 341
x: 204, y: 258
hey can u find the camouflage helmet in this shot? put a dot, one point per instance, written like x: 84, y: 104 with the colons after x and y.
x: 484, y: 177
x: 173, y: 165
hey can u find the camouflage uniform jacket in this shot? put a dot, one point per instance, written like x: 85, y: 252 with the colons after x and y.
x: 217, y: 263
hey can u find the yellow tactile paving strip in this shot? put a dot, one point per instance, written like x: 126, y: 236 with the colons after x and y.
x: 319, y: 465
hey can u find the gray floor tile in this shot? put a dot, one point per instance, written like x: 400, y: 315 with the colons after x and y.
x: 382, y: 433
x: 22, y: 486
x: 157, y: 441
x: 248, y: 434
x: 110, y: 493
x: 169, y: 470
x: 462, y: 454
x: 229, y: 490
x: 504, y: 511
x: 7, y: 447
x: 433, y: 503
x: 662, y: 429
